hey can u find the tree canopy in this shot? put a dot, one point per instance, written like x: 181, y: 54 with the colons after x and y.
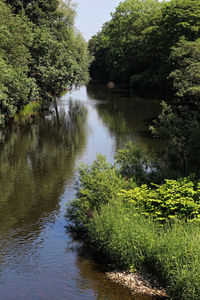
x: 41, y: 53
x: 138, y: 44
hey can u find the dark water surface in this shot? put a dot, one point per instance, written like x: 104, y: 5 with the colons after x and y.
x: 38, y: 160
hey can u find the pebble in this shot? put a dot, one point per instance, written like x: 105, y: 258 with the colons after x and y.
x: 144, y: 284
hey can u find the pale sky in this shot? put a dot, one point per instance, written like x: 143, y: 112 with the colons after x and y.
x: 91, y: 14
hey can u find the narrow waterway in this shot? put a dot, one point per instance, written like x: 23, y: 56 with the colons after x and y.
x: 38, y: 161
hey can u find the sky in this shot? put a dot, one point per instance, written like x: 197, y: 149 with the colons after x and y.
x: 91, y: 14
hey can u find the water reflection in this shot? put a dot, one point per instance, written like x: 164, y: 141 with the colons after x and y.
x: 36, y: 160
x: 126, y: 115
x: 92, y: 280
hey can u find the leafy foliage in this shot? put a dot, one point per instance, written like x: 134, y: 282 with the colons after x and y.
x: 186, y: 77
x: 16, y: 86
x: 176, y: 198
x: 39, y: 12
x: 120, y: 41
x: 134, y: 163
x: 98, y: 184
x: 142, y: 45
x: 57, y: 65
x: 41, y: 53
x: 178, y: 129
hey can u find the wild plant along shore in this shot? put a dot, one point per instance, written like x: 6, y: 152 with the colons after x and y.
x: 137, y: 226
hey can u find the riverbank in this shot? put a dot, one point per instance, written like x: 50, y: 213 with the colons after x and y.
x: 139, y: 283
x: 140, y: 228
x: 133, y: 242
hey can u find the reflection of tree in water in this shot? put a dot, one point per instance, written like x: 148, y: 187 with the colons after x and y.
x: 126, y: 116
x: 36, y: 160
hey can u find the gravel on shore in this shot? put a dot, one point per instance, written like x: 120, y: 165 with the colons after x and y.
x: 145, y: 284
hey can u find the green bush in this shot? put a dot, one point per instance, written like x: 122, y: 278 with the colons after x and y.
x: 185, y: 56
x: 176, y: 198
x: 133, y: 162
x: 98, y: 184
x: 138, y: 164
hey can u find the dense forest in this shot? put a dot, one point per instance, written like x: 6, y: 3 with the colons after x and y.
x: 151, y: 44
x: 41, y: 53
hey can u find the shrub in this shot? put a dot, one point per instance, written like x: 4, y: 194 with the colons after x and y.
x: 98, y: 184
x: 176, y: 198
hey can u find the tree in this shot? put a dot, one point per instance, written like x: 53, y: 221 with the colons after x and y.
x: 40, y: 12
x: 57, y: 66
x: 185, y: 57
x: 16, y: 87
x: 41, y: 53
x: 178, y: 129
x: 99, y: 48
x: 135, y: 45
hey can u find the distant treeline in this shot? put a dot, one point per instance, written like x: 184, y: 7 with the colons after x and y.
x: 151, y: 44
x: 41, y: 53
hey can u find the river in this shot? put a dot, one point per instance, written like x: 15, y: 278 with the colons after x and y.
x: 38, y: 170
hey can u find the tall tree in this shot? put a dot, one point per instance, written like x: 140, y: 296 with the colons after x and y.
x: 39, y: 12
x: 41, y: 53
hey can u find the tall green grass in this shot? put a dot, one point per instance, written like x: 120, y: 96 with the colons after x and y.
x: 132, y: 242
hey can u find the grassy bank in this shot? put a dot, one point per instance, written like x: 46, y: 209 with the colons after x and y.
x: 133, y: 242
x: 149, y: 226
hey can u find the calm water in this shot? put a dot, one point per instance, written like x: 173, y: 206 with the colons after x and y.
x: 38, y: 160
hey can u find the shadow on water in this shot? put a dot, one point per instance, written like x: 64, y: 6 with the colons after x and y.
x: 92, y: 277
x: 126, y: 115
